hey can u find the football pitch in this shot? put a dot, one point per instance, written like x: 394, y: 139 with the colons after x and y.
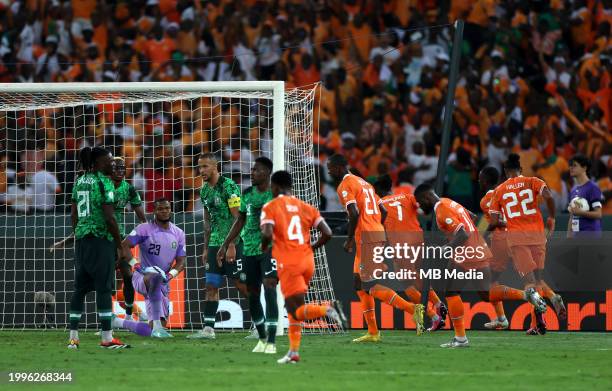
x: 495, y: 360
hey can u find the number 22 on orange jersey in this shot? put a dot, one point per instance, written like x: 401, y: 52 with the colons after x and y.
x: 525, y: 197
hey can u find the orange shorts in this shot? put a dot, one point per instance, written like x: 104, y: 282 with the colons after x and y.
x: 527, y: 258
x: 295, y: 276
x: 501, y: 252
x: 364, y: 264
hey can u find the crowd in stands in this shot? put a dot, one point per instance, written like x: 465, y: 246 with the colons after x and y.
x: 535, y: 78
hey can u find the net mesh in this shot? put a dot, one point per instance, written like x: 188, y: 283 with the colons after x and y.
x: 160, y: 135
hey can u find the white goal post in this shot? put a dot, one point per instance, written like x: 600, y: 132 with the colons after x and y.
x: 159, y: 128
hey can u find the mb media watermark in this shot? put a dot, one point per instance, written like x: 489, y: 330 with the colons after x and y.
x: 432, y: 274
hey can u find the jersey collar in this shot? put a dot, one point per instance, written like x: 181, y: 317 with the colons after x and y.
x: 437, y: 204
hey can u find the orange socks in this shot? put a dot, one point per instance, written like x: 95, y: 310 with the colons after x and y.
x: 455, y: 310
x: 499, y: 309
x: 415, y: 296
x: 311, y: 311
x: 294, y: 333
x: 388, y: 295
x: 367, y: 305
x: 502, y: 292
x: 545, y: 290
x: 433, y: 297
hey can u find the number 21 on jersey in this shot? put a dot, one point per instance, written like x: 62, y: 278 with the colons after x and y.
x: 370, y: 202
x: 525, y: 198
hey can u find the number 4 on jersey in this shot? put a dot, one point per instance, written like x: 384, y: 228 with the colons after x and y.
x: 294, y: 232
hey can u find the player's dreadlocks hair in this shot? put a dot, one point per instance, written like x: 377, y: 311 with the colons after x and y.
x: 513, y: 162
x: 422, y: 188
x: 491, y: 174
x: 88, y: 157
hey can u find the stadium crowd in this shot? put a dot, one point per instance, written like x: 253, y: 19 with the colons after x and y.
x: 535, y: 78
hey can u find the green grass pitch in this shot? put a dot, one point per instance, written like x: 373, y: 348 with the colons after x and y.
x: 496, y: 360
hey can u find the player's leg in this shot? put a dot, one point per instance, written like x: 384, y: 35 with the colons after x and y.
x: 156, y: 303
x: 267, y: 267
x: 456, y: 312
x: 525, y: 265
x: 539, y: 255
x: 250, y: 267
x: 214, y: 280
x: 501, y: 256
x: 389, y: 296
x: 102, y: 255
x: 140, y: 328
x: 294, y: 284
x: 436, y: 310
x: 367, y: 302
x: 83, y: 283
x: 128, y: 288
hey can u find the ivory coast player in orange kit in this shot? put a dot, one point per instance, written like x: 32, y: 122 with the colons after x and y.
x: 402, y: 226
x: 365, y: 231
x: 517, y: 199
x: 287, y: 221
x: 456, y: 222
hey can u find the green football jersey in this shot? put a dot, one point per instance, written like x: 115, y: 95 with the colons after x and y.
x: 252, y: 202
x: 90, y: 192
x: 124, y: 193
x: 218, y: 200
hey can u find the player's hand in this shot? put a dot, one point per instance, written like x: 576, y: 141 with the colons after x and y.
x: 349, y: 245
x: 230, y: 255
x: 550, y: 224
x: 56, y: 246
x: 575, y: 211
x: 221, y: 254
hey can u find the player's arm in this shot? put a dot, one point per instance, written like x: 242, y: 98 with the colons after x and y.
x: 459, y: 238
x: 550, y: 206
x: 179, y: 259
x: 595, y: 204
x: 231, y: 236
x: 383, y: 213
x: 205, y: 235
x: 111, y: 223
x: 325, y: 234
x: 353, y: 218
x: 64, y: 242
x: 230, y: 254
x: 136, y: 203
x: 267, y: 231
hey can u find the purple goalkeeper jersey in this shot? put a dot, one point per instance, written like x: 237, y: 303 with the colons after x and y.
x: 590, y: 192
x: 158, y: 246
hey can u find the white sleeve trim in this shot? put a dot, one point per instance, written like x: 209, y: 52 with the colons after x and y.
x: 458, y: 228
x: 266, y: 221
x: 596, y: 204
x: 349, y: 202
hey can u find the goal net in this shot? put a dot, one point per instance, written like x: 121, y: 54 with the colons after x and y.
x: 159, y: 129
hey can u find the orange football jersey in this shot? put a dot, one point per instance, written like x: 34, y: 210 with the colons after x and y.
x: 451, y: 217
x: 517, y: 200
x: 485, y: 205
x: 354, y: 190
x: 401, y: 223
x: 292, y: 220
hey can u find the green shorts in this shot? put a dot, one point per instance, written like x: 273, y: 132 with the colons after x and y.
x: 94, y: 260
x: 231, y: 270
x: 259, y: 267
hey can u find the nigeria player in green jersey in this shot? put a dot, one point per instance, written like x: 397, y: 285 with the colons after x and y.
x: 97, y: 242
x: 221, y: 199
x: 124, y: 194
x: 258, y: 265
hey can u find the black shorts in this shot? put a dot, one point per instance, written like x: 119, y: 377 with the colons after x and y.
x: 259, y: 267
x: 231, y: 270
x: 94, y: 260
